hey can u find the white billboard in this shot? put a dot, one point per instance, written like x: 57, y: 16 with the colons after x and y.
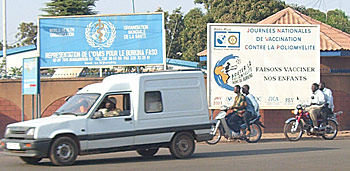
x: 278, y: 62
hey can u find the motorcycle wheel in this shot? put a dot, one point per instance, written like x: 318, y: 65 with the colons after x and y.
x: 216, y: 135
x: 331, y: 130
x: 255, y: 133
x: 290, y: 134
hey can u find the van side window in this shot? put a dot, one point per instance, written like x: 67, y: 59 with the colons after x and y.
x: 153, y: 102
x: 114, y: 105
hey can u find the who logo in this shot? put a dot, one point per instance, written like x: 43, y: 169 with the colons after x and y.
x: 227, y: 39
x: 100, y: 34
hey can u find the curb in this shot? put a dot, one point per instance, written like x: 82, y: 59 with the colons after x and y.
x: 281, y: 135
x: 275, y: 137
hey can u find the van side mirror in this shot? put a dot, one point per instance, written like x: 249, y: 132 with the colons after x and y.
x: 97, y: 115
x: 67, y: 98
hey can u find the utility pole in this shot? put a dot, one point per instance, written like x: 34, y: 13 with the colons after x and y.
x: 133, y: 11
x: 4, y: 35
x: 133, y: 6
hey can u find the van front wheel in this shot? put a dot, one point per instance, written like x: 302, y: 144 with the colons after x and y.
x: 64, y: 151
x: 31, y: 160
x: 147, y: 152
x: 182, y: 145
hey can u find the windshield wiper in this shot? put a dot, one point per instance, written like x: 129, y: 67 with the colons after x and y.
x: 65, y: 113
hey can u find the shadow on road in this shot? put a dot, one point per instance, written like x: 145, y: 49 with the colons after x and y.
x: 195, y: 155
x: 259, y: 152
x: 305, y: 137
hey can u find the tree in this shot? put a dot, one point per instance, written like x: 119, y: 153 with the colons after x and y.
x: 339, y: 20
x: 335, y: 18
x: 27, y: 34
x: 70, y: 7
x: 241, y: 11
x: 194, y: 35
x: 7, y: 46
x: 316, y: 14
x: 174, y: 26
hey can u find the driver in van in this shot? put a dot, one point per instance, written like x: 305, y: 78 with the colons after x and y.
x: 110, y: 109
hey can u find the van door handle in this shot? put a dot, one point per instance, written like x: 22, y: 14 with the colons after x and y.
x: 127, y: 119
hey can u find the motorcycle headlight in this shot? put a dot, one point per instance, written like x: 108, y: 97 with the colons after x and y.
x: 296, y: 111
x: 30, y: 132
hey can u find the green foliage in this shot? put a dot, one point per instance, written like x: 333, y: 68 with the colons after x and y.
x: 70, y: 7
x: 338, y: 19
x: 316, y: 14
x: 194, y: 35
x: 174, y: 25
x: 14, y: 71
x: 7, y: 46
x: 241, y: 11
x: 27, y: 34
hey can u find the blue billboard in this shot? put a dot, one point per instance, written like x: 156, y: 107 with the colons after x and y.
x: 115, y: 40
x: 31, y: 76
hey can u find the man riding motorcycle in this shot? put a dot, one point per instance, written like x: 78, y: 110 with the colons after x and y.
x: 239, y: 107
x: 317, y: 102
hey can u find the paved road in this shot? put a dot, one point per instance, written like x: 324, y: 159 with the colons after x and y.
x: 307, y: 154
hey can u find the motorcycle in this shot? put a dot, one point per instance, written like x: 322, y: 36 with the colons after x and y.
x: 301, y: 123
x: 220, y: 128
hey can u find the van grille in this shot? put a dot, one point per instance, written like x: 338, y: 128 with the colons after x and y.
x: 17, y: 132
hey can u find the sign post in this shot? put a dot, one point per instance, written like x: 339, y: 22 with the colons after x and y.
x: 31, y: 83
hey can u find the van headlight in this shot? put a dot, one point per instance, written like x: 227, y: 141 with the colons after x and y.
x: 30, y: 132
x: 7, y: 131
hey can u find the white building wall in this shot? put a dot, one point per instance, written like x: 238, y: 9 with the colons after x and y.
x: 16, y: 60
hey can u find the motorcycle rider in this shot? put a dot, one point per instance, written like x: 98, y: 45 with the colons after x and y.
x: 252, y: 109
x: 239, y: 107
x: 328, y: 95
x: 317, y: 102
x: 329, y: 106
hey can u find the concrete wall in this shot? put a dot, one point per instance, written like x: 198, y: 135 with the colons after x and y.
x: 274, y: 119
x: 54, y: 91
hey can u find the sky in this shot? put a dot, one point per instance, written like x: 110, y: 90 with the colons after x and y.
x: 18, y: 11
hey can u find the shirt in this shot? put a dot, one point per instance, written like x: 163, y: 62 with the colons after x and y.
x: 240, y: 101
x: 317, y: 98
x: 328, y: 97
x: 252, y: 105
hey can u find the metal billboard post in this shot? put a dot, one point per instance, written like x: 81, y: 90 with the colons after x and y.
x: 32, y: 106
x: 22, y: 119
x: 31, y: 83
x: 39, y: 106
x: 4, y: 36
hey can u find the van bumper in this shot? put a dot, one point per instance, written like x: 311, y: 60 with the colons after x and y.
x: 204, y: 137
x: 26, y: 148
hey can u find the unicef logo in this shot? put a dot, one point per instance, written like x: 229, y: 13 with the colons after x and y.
x: 100, y: 34
x: 221, y: 72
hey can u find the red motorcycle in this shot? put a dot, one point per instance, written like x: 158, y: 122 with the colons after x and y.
x: 301, y: 123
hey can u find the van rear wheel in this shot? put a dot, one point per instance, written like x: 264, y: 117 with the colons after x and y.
x: 182, y: 145
x: 147, y: 152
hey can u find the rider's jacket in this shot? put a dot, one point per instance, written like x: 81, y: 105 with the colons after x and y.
x: 252, y: 105
x: 318, y: 98
x: 328, y: 97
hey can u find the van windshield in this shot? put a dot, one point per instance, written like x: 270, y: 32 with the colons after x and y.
x: 78, y: 104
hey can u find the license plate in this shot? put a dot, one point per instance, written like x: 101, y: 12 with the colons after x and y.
x: 13, y: 146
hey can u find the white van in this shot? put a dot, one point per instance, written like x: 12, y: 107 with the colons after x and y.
x: 141, y: 112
